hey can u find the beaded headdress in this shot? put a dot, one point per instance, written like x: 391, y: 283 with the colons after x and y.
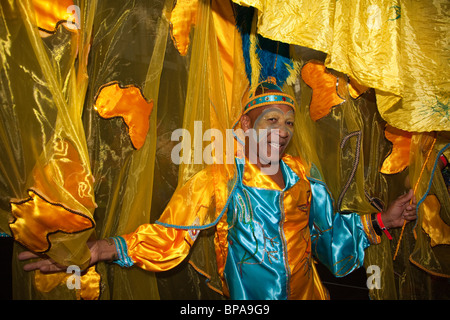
x: 267, y: 93
x: 268, y: 64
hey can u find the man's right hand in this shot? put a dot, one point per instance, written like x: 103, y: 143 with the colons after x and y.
x: 101, y: 250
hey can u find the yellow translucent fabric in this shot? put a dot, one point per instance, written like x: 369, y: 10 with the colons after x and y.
x: 399, y: 48
x: 91, y: 90
x: 56, y: 143
x: 48, y: 151
x: 433, y: 224
x: 415, y: 264
x: 431, y: 249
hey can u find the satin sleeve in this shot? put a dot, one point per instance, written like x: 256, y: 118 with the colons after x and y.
x: 164, y: 244
x: 156, y: 248
x: 337, y: 240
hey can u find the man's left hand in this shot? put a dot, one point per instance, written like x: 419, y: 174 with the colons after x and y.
x: 400, y: 210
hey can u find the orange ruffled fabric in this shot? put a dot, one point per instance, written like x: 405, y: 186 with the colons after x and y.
x: 398, y: 159
x: 183, y: 17
x: 323, y: 84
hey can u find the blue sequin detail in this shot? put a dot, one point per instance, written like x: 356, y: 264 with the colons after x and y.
x: 122, y: 250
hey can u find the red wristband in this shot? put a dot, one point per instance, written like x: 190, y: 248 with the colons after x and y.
x: 382, y: 227
x: 444, y: 160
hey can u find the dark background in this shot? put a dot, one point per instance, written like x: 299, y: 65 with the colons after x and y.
x: 5, y: 268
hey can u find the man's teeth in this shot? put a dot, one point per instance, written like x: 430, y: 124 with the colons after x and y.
x: 275, y: 145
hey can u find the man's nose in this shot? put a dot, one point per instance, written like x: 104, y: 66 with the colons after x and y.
x: 283, y: 132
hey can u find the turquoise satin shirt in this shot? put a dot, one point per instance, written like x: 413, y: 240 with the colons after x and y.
x: 257, y: 266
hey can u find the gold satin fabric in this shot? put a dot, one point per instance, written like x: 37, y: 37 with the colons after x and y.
x: 89, y: 282
x: 44, y: 218
x: 156, y: 248
x: 305, y: 282
x: 41, y: 215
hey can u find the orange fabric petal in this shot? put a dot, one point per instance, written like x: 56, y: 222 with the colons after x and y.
x: 50, y: 13
x: 355, y: 89
x: 129, y: 104
x: 323, y: 84
x: 36, y: 217
x: 432, y: 224
x: 398, y: 159
x: 183, y: 17
x: 89, y: 283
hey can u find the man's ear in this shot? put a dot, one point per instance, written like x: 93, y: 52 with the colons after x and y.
x: 245, y: 122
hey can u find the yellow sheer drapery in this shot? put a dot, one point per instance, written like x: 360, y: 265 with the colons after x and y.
x: 51, y: 85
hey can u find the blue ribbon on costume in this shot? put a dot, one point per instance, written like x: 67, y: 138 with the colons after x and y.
x: 122, y: 251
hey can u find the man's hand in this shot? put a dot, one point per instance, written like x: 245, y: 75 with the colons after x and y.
x: 45, y: 265
x: 101, y: 250
x: 400, y: 210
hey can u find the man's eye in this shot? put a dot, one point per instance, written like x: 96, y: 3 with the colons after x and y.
x: 272, y: 119
x: 290, y: 123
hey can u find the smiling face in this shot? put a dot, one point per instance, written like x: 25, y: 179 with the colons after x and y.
x: 273, y: 129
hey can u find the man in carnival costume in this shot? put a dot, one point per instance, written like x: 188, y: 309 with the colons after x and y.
x: 274, y: 223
